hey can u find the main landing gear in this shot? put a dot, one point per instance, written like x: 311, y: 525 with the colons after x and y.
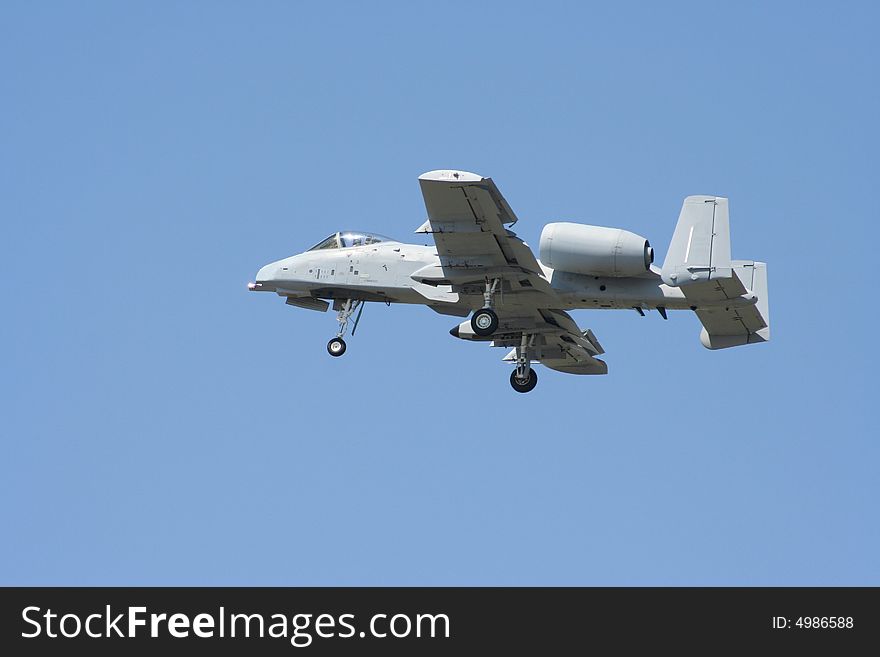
x: 336, y: 347
x: 524, y: 378
x: 524, y: 385
x: 484, y: 322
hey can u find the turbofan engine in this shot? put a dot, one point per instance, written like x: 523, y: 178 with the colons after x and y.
x: 595, y: 250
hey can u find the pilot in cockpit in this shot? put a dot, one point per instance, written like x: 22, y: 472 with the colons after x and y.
x: 347, y: 239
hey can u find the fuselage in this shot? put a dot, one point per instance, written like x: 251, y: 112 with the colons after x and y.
x: 382, y: 271
x: 373, y: 272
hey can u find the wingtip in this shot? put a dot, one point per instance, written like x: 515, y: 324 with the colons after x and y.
x: 451, y: 175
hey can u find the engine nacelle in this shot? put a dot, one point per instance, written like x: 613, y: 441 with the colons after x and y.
x: 595, y: 250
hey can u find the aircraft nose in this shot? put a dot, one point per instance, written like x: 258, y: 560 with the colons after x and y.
x: 265, y: 274
x: 264, y: 278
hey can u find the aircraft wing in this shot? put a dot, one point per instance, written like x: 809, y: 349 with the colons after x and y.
x: 556, y: 341
x: 467, y: 216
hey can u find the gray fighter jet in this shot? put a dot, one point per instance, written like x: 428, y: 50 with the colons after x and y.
x: 479, y: 267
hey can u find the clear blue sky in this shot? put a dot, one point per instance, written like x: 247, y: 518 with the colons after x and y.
x: 161, y: 425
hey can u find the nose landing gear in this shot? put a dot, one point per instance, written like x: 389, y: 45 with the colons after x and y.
x: 336, y: 347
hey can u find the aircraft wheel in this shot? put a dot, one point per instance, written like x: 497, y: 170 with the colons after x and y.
x: 336, y: 347
x: 524, y: 386
x: 484, y: 322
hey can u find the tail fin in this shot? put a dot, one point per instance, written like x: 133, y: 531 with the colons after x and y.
x: 700, y: 247
x: 759, y: 287
x: 730, y: 296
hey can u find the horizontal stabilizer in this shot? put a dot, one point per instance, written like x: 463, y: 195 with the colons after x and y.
x: 732, y: 326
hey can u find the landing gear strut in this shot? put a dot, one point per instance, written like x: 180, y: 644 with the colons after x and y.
x: 484, y: 322
x: 524, y: 378
x: 336, y: 346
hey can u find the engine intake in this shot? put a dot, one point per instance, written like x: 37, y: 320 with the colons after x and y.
x: 595, y: 250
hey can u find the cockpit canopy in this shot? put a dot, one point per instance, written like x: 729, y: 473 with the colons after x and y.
x: 348, y: 238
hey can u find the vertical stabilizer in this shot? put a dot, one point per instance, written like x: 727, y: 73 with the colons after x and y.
x: 700, y: 247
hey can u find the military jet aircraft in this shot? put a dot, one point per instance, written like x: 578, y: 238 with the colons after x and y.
x: 479, y: 267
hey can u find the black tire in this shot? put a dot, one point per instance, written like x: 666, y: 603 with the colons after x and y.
x: 484, y: 322
x: 336, y: 347
x: 528, y: 385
